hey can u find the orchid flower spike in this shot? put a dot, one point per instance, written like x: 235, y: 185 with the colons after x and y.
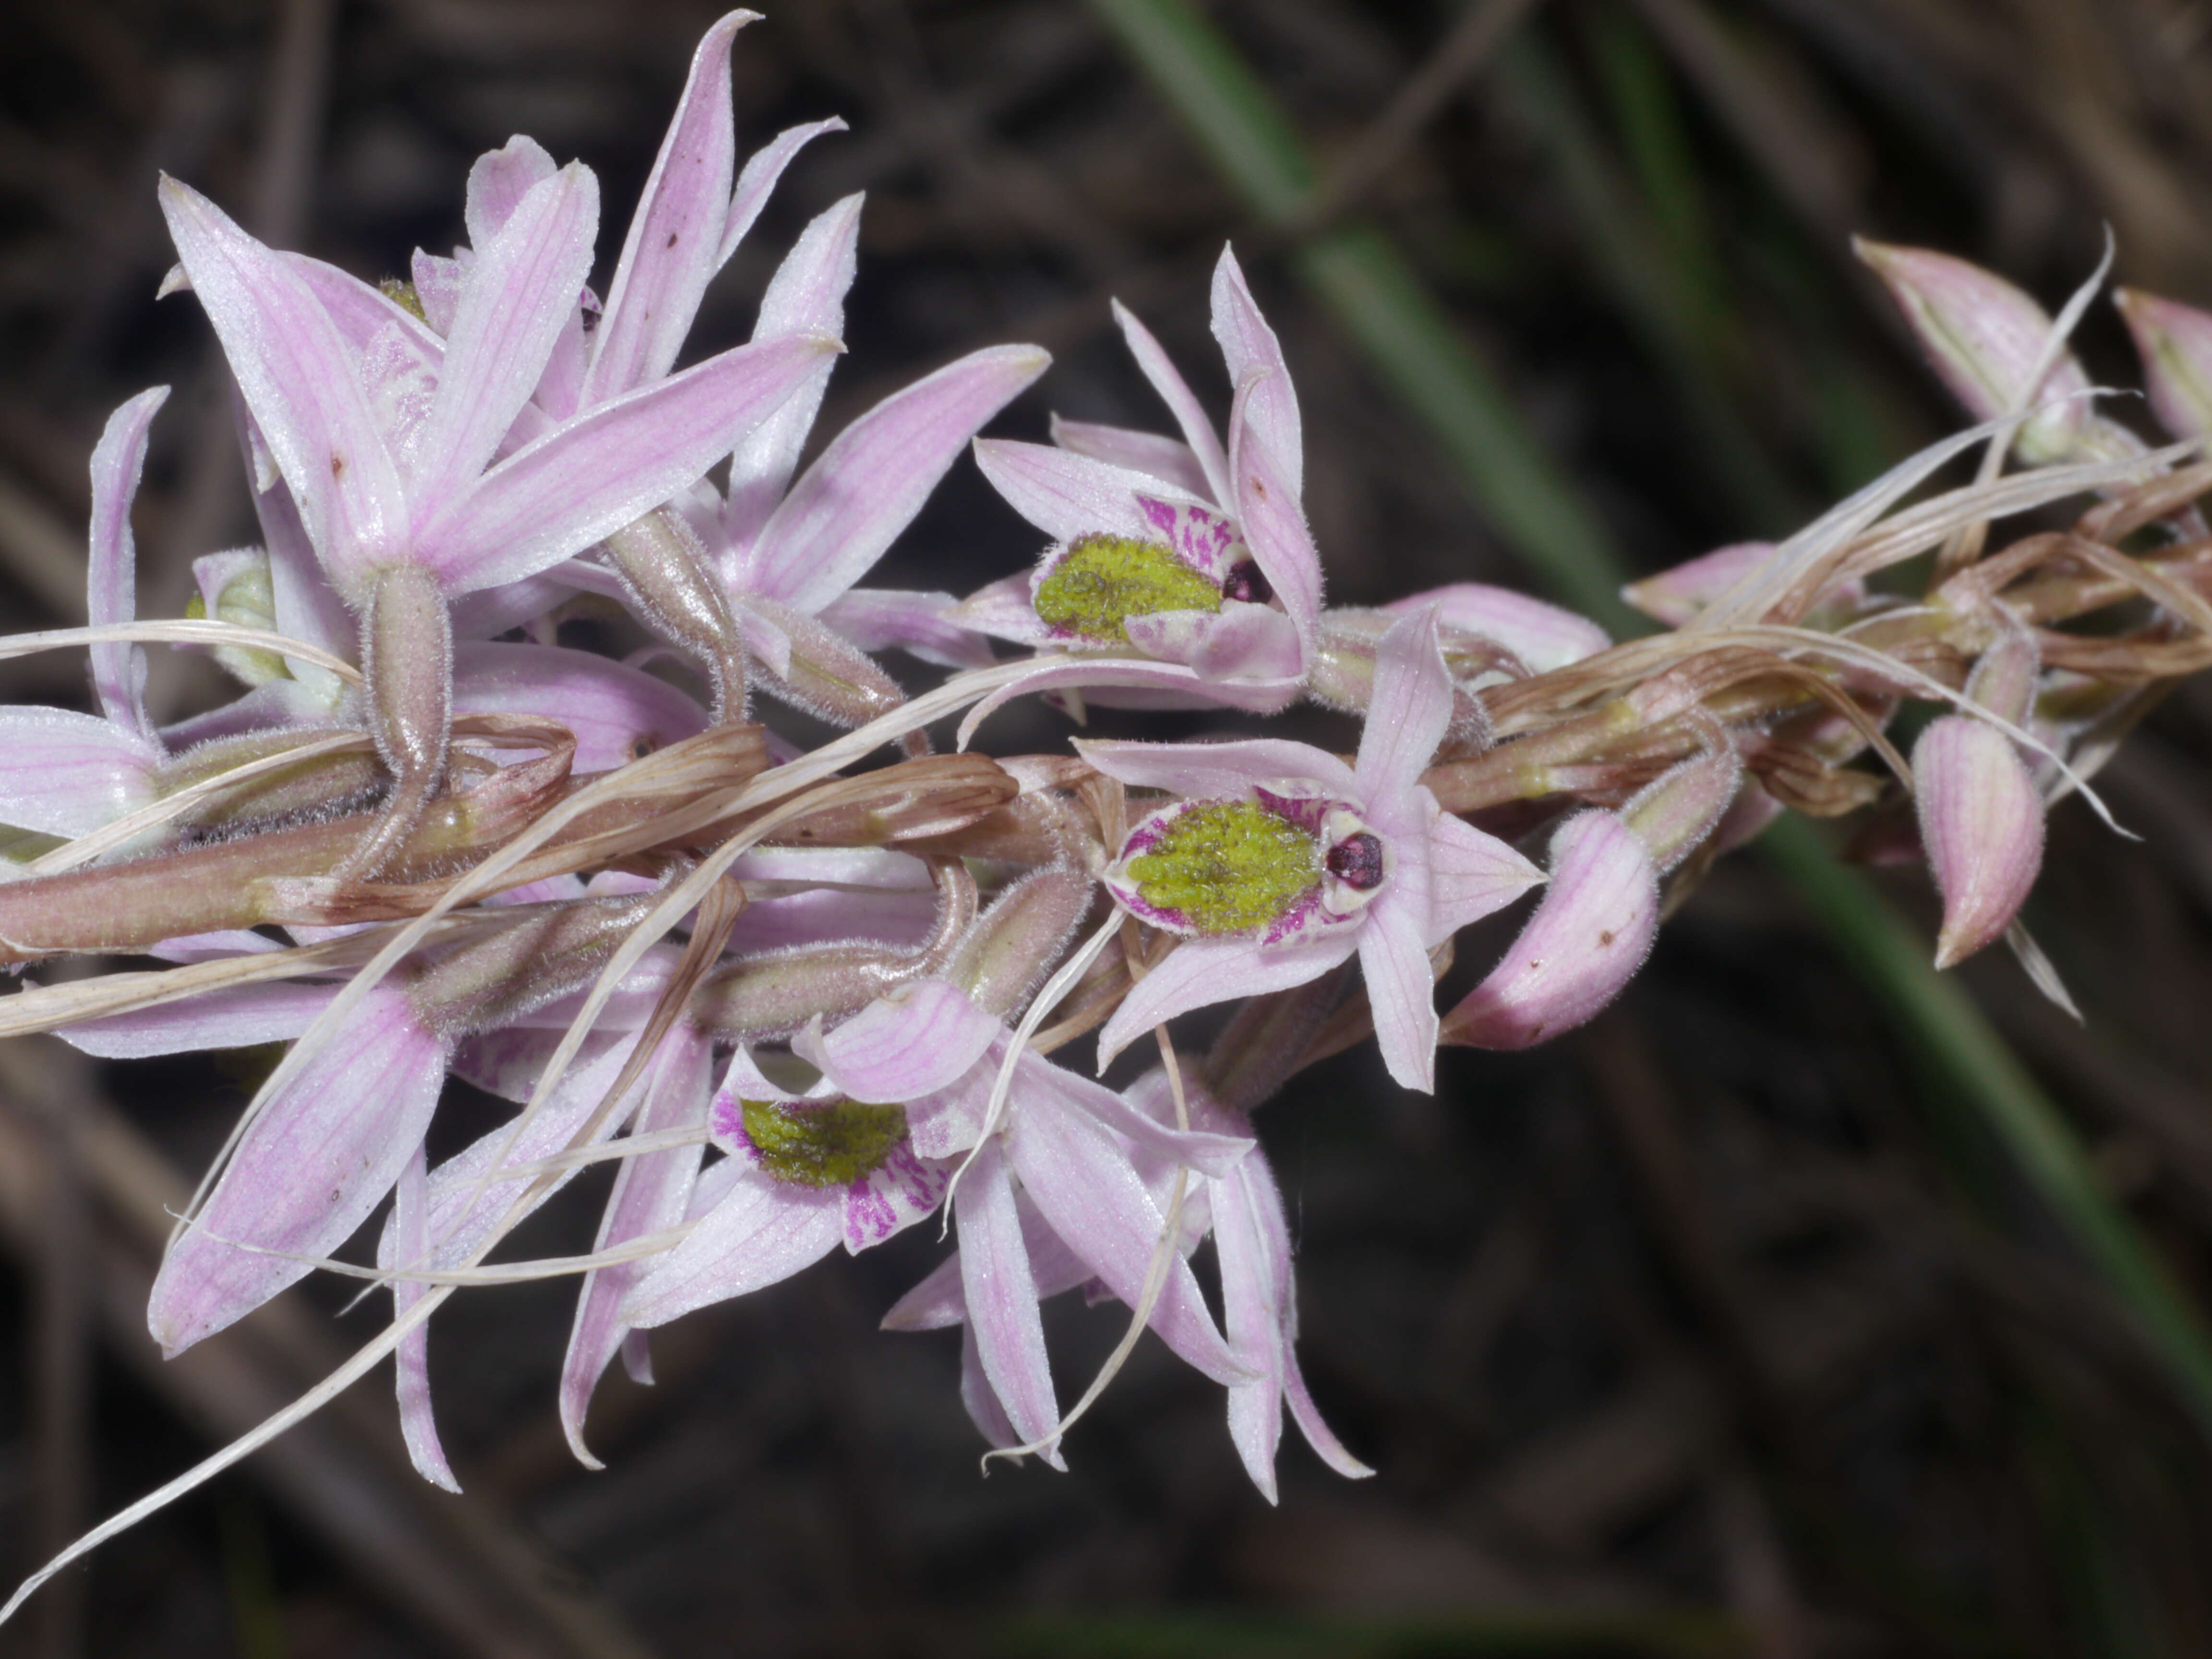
x: 1180, y: 569
x: 1281, y: 861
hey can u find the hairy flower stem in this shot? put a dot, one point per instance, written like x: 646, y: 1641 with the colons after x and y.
x: 771, y: 996
x: 407, y: 653
x: 678, y: 595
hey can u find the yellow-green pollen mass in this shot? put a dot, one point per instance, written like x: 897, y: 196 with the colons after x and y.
x: 403, y: 294
x: 832, y: 1145
x: 248, y: 599
x: 1227, y: 866
x: 1103, y: 580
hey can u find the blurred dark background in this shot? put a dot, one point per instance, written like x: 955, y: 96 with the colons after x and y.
x: 1717, y: 1329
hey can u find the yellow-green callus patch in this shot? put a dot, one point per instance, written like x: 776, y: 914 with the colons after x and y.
x: 1102, y: 581
x: 1223, y: 867
x: 831, y: 1145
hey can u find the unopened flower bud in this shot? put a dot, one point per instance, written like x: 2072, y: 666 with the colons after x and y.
x: 2175, y: 344
x: 1985, y: 337
x: 1981, y: 821
x: 1677, y: 594
x: 1673, y: 813
x: 1588, y: 936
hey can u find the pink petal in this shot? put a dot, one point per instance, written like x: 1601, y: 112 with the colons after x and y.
x: 1544, y: 637
x: 118, y: 671
x: 616, y: 712
x: 1168, y: 459
x: 1219, y: 771
x: 1170, y: 635
x: 1393, y: 959
x: 1585, y: 942
x: 1409, y: 711
x: 762, y: 168
x: 236, y: 1016
x: 1981, y: 821
x: 302, y: 386
x: 497, y: 183
x: 1067, y: 495
x: 1210, y: 1154
x: 324, y: 1150
x: 806, y: 296
x: 1200, y: 972
x: 437, y: 288
x: 1253, y: 1295
x: 891, y: 1197
x: 598, y: 471
x: 981, y: 1400
x: 841, y: 515
x: 911, y: 1042
x: 211, y: 947
x: 1249, y: 347
x: 1002, y: 1296
x: 1183, y: 687
x: 465, y: 1208
x: 1080, y: 1178
x: 66, y: 774
x: 411, y: 1361
x: 651, y: 1192
x: 1249, y: 642
x: 365, y: 316
x: 1198, y: 435
x: 1274, y: 523
x: 1471, y: 875
x: 308, y: 608
x: 1264, y: 1203
x: 882, y: 618
x: 674, y: 244
x: 1003, y: 610
x: 939, y: 1301
x: 763, y: 1231
x: 520, y: 293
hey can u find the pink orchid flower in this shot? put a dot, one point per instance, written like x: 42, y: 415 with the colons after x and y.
x: 1180, y: 570
x: 1281, y: 861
